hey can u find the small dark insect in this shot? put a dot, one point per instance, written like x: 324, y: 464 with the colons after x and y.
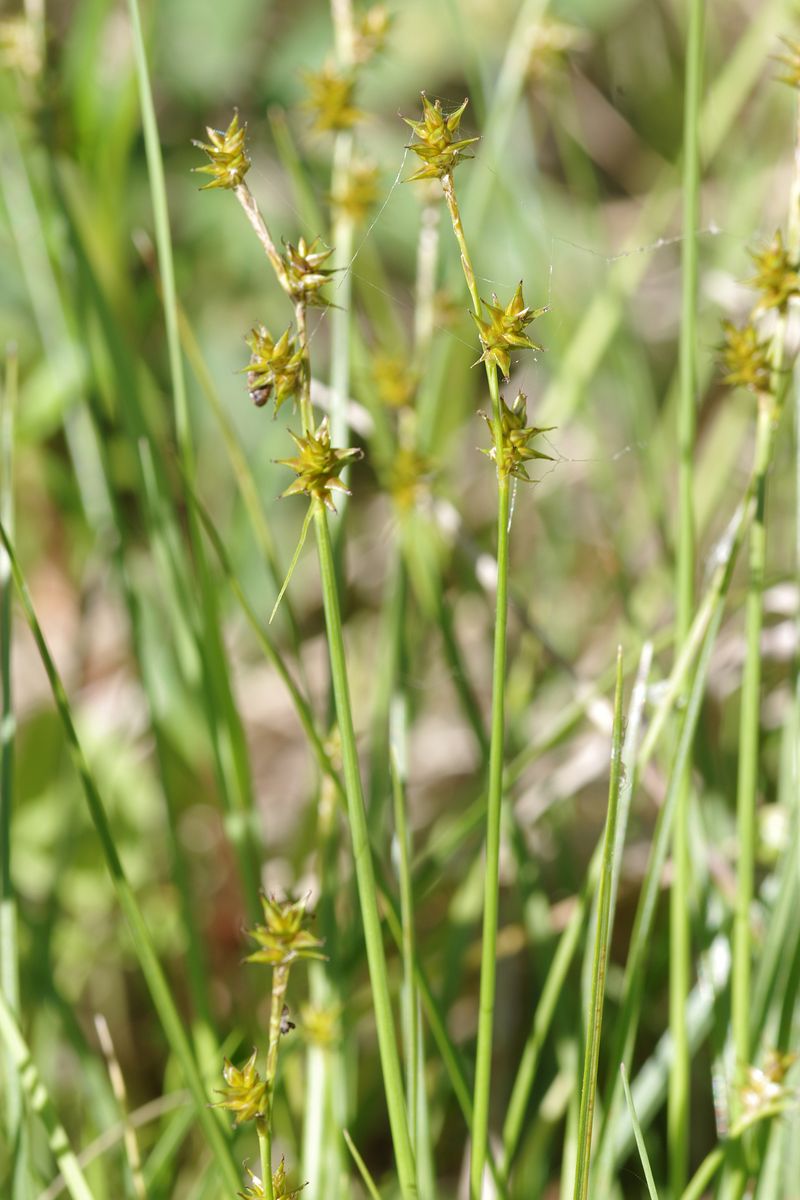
x: 286, y: 1025
x: 259, y: 395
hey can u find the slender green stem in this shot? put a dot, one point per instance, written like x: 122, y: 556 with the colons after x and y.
x: 680, y: 895
x: 410, y: 1003
x: 306, y: 411
x: 363, y: 1169
x: 637, y: 1133
x: 601, y: 946
x: 749, y: 725
x: 488, y: 984
x: 264, y: 1133
x: 483, y: 1054
x: 365, y: 875
x: 40, y: 1104
x: 342, y: 238
x: 458, y: 229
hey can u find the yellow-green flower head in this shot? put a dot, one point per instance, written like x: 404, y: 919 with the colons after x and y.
x: 228, y: 156
x: 438, y: 144
x: 790, y: 63
x: 505, y: 329
x: 305, y: 273
x: 745, y: 358
x: 320, y: 1024
x: 516, y: 450
x: 357, y: 194
x: 274, y: 367
x: 395, y: 379
x: 283, y: 938
x: 409, y: 477
x: 331, y: 99
x: 776, y: 276
x: 371, y: 32
x: 280, y: 1186
x: 245, y: 1091
x: 551, y: 42
x: 317, y: 466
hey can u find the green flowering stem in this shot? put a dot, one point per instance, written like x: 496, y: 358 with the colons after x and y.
x: 253, y: 214
x: 680, y: 893
x: 365, y: 875
x: 306, y: 411
x: 488, y: 986
x: 342, y: 238
x: 264, y: 1131
x: 449, y: 190
x: 749, y: 724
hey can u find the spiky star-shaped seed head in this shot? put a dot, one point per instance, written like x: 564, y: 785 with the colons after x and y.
x: 318, y: 466
x: 438, y: 144
x: 357, y: 194
x: 409, y: 478
x: 274, y: 366
x: 790, y: 63
x: 505, y: 329
x: 284, y: 936
x: 331, y: 100
x: 305, y: 273
x: 745, y: 358
x: 517, y: 436
x: 776, y: 278
x: 228, y: 156
x: 245, y: 1091
x: 280, y: 1186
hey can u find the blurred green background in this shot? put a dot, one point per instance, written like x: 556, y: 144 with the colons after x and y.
x: 574, y: 188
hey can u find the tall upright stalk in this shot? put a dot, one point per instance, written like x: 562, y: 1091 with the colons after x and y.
x: 680, y: 895
x: 342, y: 240
x: 770, y: 403
x: 365, y: 875
x: 491, y: 895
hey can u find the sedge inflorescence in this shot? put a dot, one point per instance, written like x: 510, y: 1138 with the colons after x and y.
x: 438, y: 144
x: 515, y: 450
x: 505, y: 329
x: 228, y: 162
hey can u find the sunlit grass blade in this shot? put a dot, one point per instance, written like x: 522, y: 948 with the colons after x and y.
x: 171, y: 1020
x: 363, y: 1170
x: 637, y: 1132
x: 601, y: 948
x: 39, y: 1103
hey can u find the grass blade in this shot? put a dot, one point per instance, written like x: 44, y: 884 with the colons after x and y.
x: 637, y: 1133
x: 171, y: 1020
x: 601, y: 945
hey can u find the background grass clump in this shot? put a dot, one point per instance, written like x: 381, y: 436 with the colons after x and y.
x: 617, y: 774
